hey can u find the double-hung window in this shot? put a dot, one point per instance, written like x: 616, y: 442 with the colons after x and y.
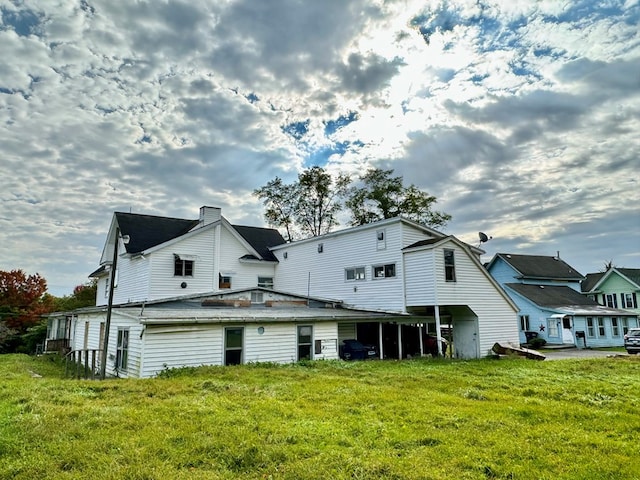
x: 305, y: 340
x: 629, y: 300
x: 591, y: 328
x: 601, y: 330
x: 615, y: 327
x: 449, y: 265
x: 610, y: 300
x: 356, y: 273
x: 122, y: 349
x: 384, y: 271
x: 265, y: 282
x: 524, y: 322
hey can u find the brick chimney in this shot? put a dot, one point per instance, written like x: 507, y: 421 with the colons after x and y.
x: 209, y: 215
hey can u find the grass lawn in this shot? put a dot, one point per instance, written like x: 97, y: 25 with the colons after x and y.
x: 417, y: 419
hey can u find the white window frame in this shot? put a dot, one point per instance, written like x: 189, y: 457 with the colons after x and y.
x: 387, y: 270
x: 602, y: 332
x: 304, y: 344
x: 610, y: 300
x: 552, y: 328
x: 358, y: 274
x: 381, y: 240
x: 122, y: 349
x: 615, y: 327
x: 524, y: 323
x: 591, y: 328
x: 183, y: 267
x: 234, y: 348
x: 449, y: 266
x: 265, y: 282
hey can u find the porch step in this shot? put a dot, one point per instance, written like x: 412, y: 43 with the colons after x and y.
x: 558, y: 346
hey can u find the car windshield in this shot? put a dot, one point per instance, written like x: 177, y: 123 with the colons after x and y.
x: 634, y: 333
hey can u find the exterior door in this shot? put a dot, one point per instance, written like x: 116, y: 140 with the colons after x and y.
x: 233, y: 342
x: 567, y: 334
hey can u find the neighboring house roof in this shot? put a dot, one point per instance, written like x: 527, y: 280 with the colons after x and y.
x: 422, y: 243
x: 590, y: 281
x: 146, y: 231
x: 595, y: 280
x: 261, y: 239
x: 551, y: 296
x: 563, y: 298
x: 539, y: 266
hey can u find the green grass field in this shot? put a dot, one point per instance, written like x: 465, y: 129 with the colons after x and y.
x: 418, y: 419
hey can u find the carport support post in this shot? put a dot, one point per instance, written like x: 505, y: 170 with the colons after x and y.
x: 421, y: 339
x: 438, y: 331
x: 399, y: 341
x: 380, y: 340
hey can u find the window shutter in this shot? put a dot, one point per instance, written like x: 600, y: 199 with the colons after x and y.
x: 615, y: 300
x: 635, y: 300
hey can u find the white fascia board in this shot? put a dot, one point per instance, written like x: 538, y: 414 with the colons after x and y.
x: 366, y: 226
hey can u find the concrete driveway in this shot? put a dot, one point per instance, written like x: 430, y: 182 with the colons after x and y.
x: 567, y: 353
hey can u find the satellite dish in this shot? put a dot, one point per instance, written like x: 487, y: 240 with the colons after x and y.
x: 483, y: 238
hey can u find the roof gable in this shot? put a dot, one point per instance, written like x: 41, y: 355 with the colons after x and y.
x: 539, y: 266
x: 147, y: 231
x: 261, y: 239
x: 596, y: 280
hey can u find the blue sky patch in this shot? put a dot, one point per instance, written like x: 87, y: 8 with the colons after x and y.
x: 332, y: 126
x: 24, y: 22
x: 296, y: 129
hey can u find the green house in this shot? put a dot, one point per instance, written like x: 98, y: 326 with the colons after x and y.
x: 615, y: 288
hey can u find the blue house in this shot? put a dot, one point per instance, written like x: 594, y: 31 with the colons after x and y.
x: 548, y: 293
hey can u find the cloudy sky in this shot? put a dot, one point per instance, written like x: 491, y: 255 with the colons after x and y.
x: 521, y: 117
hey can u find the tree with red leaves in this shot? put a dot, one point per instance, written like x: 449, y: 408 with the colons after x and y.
x: 23, y: 300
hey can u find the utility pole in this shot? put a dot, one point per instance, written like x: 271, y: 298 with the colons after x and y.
x: 107, y: 325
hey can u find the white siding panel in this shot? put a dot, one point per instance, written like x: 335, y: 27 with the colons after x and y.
x: 497, y: 320
x: 277, y: 344
x: 244, y: 274
x: 163, y: 281
x: 327, y: 277
x: 190, y: 346
x: 327, y: 334
x: 420, y: 278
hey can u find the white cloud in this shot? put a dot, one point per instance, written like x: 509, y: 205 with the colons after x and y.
x: 520, y: 116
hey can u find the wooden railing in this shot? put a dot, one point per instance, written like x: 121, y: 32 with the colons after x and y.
x: 82, y: 363
x: 60, y: 345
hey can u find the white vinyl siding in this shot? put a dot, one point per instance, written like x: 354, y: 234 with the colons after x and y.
x: 304, y: 271
x: 497, y: 319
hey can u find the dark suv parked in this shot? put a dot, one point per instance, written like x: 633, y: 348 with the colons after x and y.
x: 632, y: 340
x: 354, y: 350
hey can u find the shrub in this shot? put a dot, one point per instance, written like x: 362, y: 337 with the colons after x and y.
x: 537, y: 342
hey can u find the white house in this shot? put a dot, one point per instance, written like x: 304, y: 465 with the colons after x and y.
x: 191, y: 292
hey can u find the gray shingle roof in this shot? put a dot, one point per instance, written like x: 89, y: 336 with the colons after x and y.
x: 261, y: 239
x: 551, y: 296
x: 146, y: 231
x: 541, y: 267
x: 592, y: 279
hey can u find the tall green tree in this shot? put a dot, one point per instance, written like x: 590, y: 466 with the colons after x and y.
x: 380, y: 195
x: 307, y: 207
